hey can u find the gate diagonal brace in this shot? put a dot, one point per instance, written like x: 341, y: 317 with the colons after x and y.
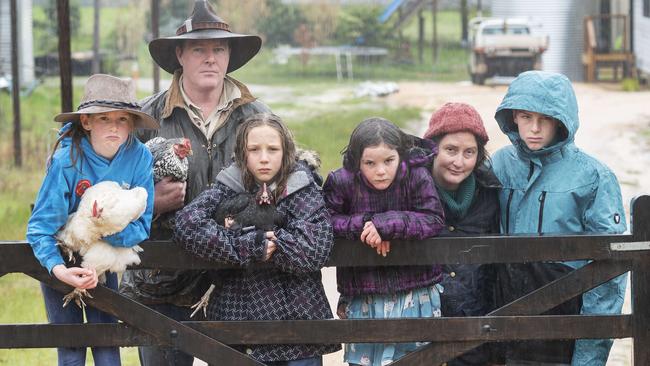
x: 165, y: 329
x: 574, y: 283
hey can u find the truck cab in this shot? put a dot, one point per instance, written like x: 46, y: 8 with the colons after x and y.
x: 503, y: 47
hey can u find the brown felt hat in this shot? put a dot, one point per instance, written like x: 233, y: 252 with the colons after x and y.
x: 456, y: 117
x: 204, y: 24
x: 106, y: 93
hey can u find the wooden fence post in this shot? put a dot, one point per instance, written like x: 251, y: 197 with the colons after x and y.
x: 641, y: 282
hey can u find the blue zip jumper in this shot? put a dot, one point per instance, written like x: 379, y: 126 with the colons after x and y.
x: 132, y: 166
x: 559, y: 189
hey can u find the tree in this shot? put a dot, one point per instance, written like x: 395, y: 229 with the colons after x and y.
x: 322, y: 16
x: 280, y: 23
x: 46, y: 30
x: 360, y: 25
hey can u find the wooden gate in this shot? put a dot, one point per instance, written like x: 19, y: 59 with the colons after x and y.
x: 611, y: 255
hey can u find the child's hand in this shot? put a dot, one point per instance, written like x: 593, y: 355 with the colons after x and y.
x: 383, y: 248
x: 271, y: 246
x: 370, y: 235
x: 82, y: 278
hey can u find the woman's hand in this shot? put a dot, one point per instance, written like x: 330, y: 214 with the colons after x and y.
x: 271, y: 245
x: 341, y: 311
x: 82, y: 278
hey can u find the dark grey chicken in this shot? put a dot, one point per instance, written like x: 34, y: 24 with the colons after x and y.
x: 170, y: 157
x: 249, y: 212
x: 244, y: 211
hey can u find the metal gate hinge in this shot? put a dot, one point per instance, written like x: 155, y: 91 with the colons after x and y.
x: 630, y: 246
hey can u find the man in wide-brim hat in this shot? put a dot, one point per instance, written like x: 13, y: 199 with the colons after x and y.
x: 205, y: 105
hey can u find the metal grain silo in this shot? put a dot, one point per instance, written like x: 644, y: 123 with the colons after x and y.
x: 562, y: 21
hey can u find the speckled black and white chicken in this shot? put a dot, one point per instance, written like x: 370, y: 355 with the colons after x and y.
x: 170, y: 157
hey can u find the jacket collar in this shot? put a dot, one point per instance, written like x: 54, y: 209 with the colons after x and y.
x: 174, y: 97
x: 232, y: 178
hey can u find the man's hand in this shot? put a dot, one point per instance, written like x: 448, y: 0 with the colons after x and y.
x: 168, y: 195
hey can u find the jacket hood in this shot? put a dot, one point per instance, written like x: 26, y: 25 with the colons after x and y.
x: 542, y: 92
x: 300, y: 177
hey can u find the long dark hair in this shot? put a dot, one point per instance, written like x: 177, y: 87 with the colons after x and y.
x: 373, y: 132
x: 76, y: 132
x: 288, y: 150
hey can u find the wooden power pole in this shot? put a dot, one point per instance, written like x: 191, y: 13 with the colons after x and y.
x: 15, y: 83
x: 155, y: 18
x: 65, y: 64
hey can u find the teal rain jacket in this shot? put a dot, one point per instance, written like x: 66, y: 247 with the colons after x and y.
x: 559, y: 189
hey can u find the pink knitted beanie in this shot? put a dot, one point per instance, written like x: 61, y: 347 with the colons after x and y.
x: 456, y: 117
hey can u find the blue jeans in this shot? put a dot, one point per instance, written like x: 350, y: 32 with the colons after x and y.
x: 312, y: 361
x: 72, y: 314
x: 167, y: 356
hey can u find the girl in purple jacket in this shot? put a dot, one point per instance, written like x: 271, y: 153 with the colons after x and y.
x: 384, y: 192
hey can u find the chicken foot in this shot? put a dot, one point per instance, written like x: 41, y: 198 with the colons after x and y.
x: 203, y: 303
x: 77, y: 296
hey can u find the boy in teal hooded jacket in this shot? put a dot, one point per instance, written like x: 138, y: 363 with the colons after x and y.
x: 550, y: 186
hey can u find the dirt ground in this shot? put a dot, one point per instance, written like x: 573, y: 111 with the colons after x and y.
x: 611, y: 129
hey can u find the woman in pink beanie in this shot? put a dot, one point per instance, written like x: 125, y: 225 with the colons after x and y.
x: 468, y: 190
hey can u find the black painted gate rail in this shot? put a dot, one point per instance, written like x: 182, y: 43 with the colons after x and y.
x: 612, y: 255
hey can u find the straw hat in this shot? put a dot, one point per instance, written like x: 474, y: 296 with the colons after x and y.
x: 204, y: 24
x: 106, y: 93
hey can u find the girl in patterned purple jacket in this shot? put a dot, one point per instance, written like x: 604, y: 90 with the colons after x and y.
x: 291, y: 287
x: 384, y: 192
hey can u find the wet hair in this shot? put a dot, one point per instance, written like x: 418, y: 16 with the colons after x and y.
x: 76, y: 132
x: 288, y: 150
x: 373, y: 132
x: 482, y: 155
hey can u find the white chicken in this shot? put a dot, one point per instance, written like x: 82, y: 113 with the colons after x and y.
x: 105, y: 208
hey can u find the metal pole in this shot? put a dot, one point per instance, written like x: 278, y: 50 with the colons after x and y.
x: 434, y: 41
x: 155, y: 31
x: 15, y: 83
x: 420, y: 37
x: 65, y: 64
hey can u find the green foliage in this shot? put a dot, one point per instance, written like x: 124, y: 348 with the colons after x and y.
x: 280, y: 24
x: 328, y: 133
x: 630, y: 85
x: 172, y: 14
x: 359, y: 25
x: 46, y: 26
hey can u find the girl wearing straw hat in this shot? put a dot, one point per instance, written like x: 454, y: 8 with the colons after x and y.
x: 94, y: 145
